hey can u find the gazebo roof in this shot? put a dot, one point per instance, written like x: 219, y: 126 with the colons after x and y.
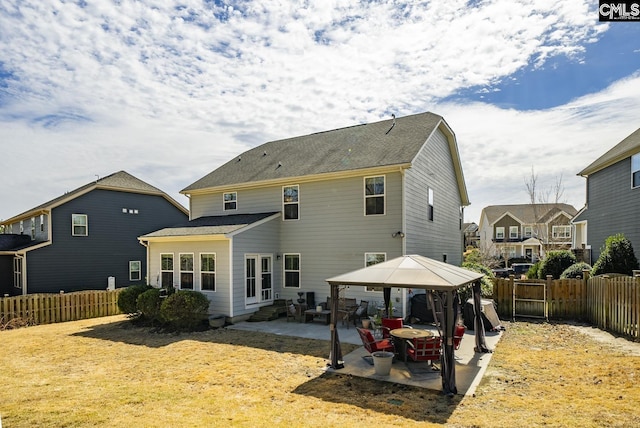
x: 411, y: 271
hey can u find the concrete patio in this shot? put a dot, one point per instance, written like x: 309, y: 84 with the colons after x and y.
x: 470, y: 366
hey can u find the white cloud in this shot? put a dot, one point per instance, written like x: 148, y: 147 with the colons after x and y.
x: 170, y: 92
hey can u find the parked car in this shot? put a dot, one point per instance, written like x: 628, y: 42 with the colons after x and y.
x: 520, y: 269
x: 503, y: 272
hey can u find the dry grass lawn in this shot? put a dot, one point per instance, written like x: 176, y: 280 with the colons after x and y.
x: 105, y: 372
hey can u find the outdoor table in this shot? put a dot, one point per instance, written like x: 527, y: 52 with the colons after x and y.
x: 312, y: 314
x: 407, y: 333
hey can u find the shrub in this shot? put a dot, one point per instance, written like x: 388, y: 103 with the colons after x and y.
x: 185, y: 309
x: 532, y: 273
x: 555, y: 263
x: 148, y: 303
x: 575, y: 270
x: 127, y: 298
x: 486, y: 284
x: 616, y: 257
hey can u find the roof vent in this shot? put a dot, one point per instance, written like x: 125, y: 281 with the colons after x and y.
x: 264, y: 154
x: 392, y: 125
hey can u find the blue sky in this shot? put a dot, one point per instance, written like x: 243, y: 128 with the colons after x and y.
x: 169, y: 91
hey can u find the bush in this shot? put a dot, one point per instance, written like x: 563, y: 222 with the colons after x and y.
x: 532, y: 273
x: 616, y: 257
x: 148, y: 303
x: 575, y: 270
x: 185, y: 309
x: 127, y: 298
x: 486, y: 284
x: 555, y: 263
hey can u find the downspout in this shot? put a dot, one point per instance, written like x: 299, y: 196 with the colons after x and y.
x: 403, y: 297
x: 231, y: 313
x: 148, y: 270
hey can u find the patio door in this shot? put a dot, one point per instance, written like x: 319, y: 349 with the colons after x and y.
x: 258, y: 285
x: 250, y: 280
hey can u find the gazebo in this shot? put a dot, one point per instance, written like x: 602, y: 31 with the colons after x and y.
x: 415, y: 271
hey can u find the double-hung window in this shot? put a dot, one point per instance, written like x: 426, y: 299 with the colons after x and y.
x: 372, y: 259
x: 290, y: 201
x: 135, y: 271
x: 230, y: 201
x: 166, y: 270
x: 186, y: 271
x: 430, y: 202
x: 208, y: 272
x: 79, y: 225
x: 513, y: 232
x: 635, y: 170
x: 561, y: 232
x: 528, y: 231
x: 500, y: 232
x: 292, y: 270
x: 374, y: 195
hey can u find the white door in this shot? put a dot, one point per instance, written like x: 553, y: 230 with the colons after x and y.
x: 250, y: 280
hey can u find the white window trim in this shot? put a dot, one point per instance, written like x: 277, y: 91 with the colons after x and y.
x: 430, y: 204
x: 566, y: 234
x: 234, y: 200
x: 528, y: 234
x: 200, y: 272
x: 498, y: 230
x: 192, y: 271
x: 285, y: 270
x: 369, y: 289
x: 173, y: 268
x: 86, y: 225
x: 383, y: 195
x: 511, y: 229
x: 297, y: 186
x: 635, y: 168
x: 131, y: 270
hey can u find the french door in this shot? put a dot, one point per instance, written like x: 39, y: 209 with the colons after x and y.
x: 258, y: 275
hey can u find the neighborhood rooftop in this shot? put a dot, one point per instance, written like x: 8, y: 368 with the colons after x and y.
x: 528, y: 213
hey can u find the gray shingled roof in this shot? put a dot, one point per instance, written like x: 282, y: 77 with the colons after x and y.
x: 211, y: 225
x: 526, y: 212
x: 624, y: 149
x: 345, y: 149
x: 119, y: 181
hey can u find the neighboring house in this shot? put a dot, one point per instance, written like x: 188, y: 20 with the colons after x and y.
x: 613, y: 198
x: 471, y: 235
x: 283, y: 217
x: 80, y: 239
x: 525, y: 231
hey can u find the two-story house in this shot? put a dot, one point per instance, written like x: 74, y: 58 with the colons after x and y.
x: 283, y: 217
x: 84, y: 237
x: 613, y: 198
x: 525, y: 231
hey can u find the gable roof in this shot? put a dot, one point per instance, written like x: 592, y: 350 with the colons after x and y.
x: 624, y: 149
x: 119, y: 181
x: 393, y: 142
x: 212, y: 225
x: 527, y: 213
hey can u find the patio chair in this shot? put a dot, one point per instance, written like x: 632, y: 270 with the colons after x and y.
x: 373, y: 345
x: 457, y: 336
x: 389, y: 324
x: 424, y: 349
x: 358, y: 312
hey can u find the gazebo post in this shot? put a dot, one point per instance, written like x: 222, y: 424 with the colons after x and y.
x: 448, y: 366
x: 336, y: 350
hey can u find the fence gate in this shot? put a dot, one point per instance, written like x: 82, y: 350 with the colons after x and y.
x: 530, y: 300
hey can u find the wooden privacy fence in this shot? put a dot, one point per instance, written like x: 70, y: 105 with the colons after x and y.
x: 608, y: 302
x: 52, y: 308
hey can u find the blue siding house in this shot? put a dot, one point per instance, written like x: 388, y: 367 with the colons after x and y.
x: 84, y: 237
x: 278, y: 220
x: 613, y: 198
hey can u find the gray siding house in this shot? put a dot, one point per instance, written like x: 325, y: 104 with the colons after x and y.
x: 283, y: 217
x: 80, y: 239
x: 613, y: 198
